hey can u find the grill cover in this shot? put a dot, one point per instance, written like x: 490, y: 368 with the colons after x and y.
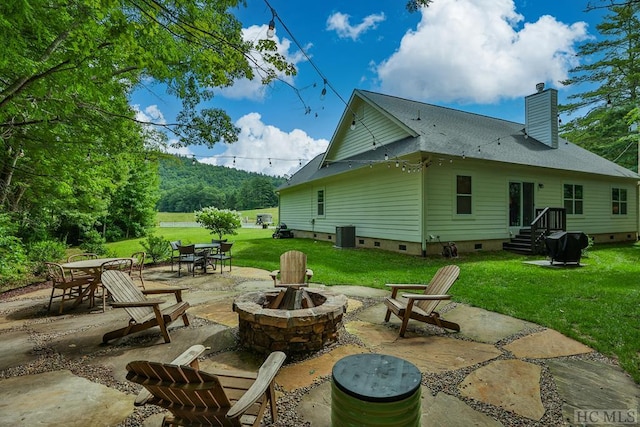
x: 566, y: 246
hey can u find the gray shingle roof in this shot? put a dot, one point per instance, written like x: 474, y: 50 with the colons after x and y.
x: 453, y: 133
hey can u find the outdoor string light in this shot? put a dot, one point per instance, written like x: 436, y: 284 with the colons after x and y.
x: 271, y: 31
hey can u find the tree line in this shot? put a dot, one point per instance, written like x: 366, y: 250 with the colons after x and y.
x: 186, y: 186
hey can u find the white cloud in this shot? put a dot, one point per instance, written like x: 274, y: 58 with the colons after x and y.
x: 259, y: 143
x: 150, y: 114
x: 476, y: 51
x: 339, y: 22
x: 254, y: 89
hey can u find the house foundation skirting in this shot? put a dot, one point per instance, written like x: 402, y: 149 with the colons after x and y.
x: 629, y: 236
x: 410, y: 248
x: 435, y: 248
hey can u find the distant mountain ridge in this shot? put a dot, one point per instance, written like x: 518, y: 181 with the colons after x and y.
x: 186, y: 186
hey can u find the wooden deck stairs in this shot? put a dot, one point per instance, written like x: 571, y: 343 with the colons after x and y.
x: 531, y: 240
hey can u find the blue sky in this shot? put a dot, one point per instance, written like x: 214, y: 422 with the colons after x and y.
x: 481, y: 56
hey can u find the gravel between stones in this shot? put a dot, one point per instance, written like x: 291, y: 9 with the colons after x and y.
x: 447, y: 382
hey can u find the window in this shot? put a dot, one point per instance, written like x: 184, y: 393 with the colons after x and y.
x: 463, y: 195
x: 320, y: 201
x: 573, y: 199
x: 618, y: 201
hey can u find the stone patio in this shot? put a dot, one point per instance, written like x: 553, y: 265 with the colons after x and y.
x: 498, y: 371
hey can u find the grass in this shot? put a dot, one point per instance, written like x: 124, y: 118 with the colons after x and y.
x: 249, y: 215
x: 596, y: 304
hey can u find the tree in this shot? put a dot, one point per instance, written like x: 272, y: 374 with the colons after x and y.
x: 219, y: 221
x: 610, y: 70
x: 602, y: 4
x: 415, y: 5
x: 69, y: 137
x: 132, y: 208
x: 258, y: 192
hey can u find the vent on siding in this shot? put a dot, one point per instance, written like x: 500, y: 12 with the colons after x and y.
x: 541, y: 116
x: 402, y: 247
x: 477, y: 246
x: 361, y: 241
x: 376, y: 244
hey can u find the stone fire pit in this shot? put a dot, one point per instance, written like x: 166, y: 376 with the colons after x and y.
x: 296, y: 331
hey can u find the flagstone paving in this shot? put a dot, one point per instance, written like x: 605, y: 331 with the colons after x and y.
x: 510, y: 384
x: 546, y: 344
x: 60, y: 398
x: 498, y: 371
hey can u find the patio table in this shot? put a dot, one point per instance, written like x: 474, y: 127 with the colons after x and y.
x: 214, y: 249
x: 92, y: 267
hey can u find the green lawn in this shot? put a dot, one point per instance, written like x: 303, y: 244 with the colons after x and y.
x: 596, y: 304
x: 249, y: 215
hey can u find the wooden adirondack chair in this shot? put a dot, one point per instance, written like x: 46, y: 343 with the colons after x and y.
x: 145, y: 313
x: 421, y: 306
x: 293, y: 269
x: 215, y: 398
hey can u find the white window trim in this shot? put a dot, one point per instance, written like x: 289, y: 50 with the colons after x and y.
x: 457, y: 215
x: 324, y: 202
x: 576, y: 215
x: 618, y: 215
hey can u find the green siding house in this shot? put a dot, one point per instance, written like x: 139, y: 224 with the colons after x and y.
x: 403, y: 175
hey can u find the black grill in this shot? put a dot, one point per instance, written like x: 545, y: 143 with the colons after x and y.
x: 565, y: 246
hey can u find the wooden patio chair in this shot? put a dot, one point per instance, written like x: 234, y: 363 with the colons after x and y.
x: 214, y: 398
x: 145, y: 313
x: 421, y: 306
x: 293, y: 269
x: 138, y: 265
x: 79, y: 274
x: 72, y: 289
x: 175, y: 254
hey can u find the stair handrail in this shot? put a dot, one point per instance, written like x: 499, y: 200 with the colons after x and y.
x: 548, y: 220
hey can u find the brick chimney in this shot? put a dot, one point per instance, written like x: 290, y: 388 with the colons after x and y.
x: 541, y: 115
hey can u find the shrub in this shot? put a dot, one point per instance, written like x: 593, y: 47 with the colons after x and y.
x: 157, y: 248
x: 45, y: 250
x: 14, y: 264
x: 219, y: 221
x: 93, y: 242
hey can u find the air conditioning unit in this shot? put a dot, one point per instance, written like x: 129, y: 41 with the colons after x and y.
x: 346, y: 236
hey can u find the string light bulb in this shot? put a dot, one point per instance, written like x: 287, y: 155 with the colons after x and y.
x: 353, y: 123
x: 193, y: 160
x: 386, y: 157
x: 271, y: 31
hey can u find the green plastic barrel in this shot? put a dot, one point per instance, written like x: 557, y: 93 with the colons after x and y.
x: 370, y: 390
